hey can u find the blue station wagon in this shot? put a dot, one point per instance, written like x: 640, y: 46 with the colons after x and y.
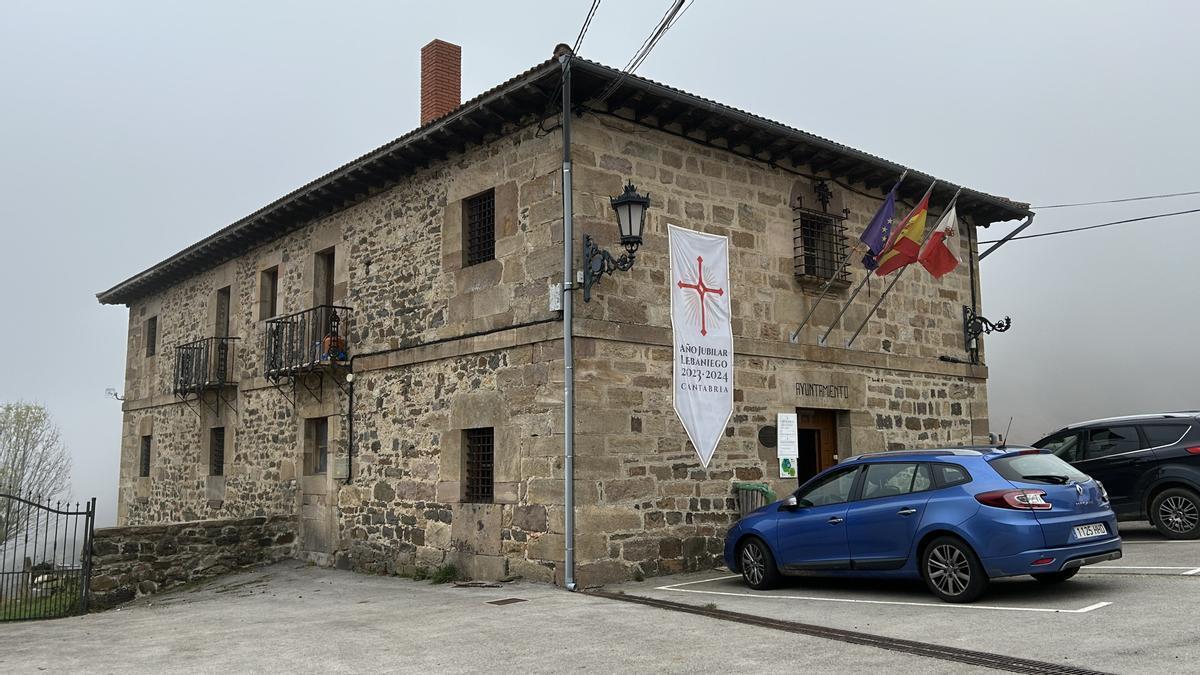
x: 955, y: 518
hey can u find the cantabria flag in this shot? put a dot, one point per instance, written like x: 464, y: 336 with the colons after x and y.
x: 939, y: 255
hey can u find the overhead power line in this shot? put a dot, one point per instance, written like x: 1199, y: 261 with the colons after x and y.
x: 1093, y: 227
x: 1117, y: 201
x: 669, y: 19
x: 586, y: 24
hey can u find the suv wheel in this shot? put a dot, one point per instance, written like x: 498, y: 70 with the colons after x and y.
x: 757, y: 564
x: 1176, y: 513
x: 952, y: 571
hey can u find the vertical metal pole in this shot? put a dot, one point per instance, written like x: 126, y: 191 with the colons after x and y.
x: 88, y: 537
x: 568, y: 334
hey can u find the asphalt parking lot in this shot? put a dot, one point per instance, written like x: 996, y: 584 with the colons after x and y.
x: 1133, y: 615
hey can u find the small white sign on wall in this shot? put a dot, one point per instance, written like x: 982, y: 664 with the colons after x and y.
x: 787, y: 446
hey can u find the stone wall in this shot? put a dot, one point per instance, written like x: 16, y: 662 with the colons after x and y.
x: 132, y: 561
x: 441, y: 348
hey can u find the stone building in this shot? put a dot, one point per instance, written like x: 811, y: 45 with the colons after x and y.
x: 424, y: 269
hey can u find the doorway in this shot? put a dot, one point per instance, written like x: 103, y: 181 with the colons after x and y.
x: 817, y: 435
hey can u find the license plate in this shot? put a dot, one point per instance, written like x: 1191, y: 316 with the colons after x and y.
x: 1092, y: 530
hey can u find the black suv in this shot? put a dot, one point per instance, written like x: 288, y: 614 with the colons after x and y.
x: 1150, y: 465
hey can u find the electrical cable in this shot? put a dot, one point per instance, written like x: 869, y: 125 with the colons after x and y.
x: 1093, y: 227
x: 587, y: 22
x: 1118, y: 201
x: 668, y: 20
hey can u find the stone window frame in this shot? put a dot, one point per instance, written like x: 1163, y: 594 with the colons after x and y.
x: 479, y: 228
x: 145, y: 455
x: 479, y: 463
x: 268, y: 291
x: 311, y: 448
x: 475, y: 410
x: 150, y: 335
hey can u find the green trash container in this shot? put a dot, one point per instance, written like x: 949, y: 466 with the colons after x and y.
x: 752, y: 496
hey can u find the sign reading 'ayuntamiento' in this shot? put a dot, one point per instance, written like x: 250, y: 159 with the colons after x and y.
x: 703, y: 336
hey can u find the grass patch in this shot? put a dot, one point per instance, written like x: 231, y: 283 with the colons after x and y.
x: 445, y: 574
x: 710, y: 605
x: 64, y: 602
x: 420, y: 574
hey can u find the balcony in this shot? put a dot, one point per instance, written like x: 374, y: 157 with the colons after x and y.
x: 207, y: 363
x: 306, y: 341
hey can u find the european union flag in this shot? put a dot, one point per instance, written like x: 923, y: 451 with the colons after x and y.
x: 879, y: 230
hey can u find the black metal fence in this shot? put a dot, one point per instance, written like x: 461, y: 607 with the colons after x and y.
x: 204, y: 364
x: 45, y: 557
x: 306, y: 340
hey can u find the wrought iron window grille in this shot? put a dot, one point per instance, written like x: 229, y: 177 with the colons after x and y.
x: 306, y: 341
x: 819, y: 245
x: 216, y: 452
x: 481, y: 459
x: 480, y: 220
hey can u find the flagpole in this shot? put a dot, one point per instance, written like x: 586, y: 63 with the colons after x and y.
x: 887, y: 290
x: 825, y: 289
x: 845, y: 307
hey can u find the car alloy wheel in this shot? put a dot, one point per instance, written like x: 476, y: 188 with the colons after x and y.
x: 754, y: 564
x: 1178, y: 514
x: 948, y: 569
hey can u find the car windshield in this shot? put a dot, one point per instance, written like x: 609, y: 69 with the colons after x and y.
x: 1037, y: 468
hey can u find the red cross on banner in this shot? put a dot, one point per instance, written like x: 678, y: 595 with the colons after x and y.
x: 703, y: 336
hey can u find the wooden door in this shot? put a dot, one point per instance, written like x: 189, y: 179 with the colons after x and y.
x: 818, y: 431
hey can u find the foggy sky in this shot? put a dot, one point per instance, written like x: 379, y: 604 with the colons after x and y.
x: 133, y: 129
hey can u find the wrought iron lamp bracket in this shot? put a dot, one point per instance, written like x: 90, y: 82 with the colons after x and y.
x: 597, y: 262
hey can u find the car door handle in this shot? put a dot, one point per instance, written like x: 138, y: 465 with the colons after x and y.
x: 907, y: 511
x: 835, y: 521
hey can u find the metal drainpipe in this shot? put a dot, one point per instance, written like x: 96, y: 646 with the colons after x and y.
x: 350, y: 423
x: 568, y: 334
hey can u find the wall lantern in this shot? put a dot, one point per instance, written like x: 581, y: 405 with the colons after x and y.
x: 631, y: 220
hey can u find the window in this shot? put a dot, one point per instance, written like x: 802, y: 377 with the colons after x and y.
x: 1037, y: 468
x: 216, y: 451
x: 1105, y: 441
x: 316, y: 451
x: 818, y: 246
x: 946, y: 475
x: 1164, y: 434
x: 1067, y: 445
x: 151, y: 336
x: 889, y: 479
x: 221, y: 322
x: 268, y: 293
x: 144, y: 457
x: 481, y: 461
x: 832, y: 489
x: 323, y: 271
x: 479, y: 219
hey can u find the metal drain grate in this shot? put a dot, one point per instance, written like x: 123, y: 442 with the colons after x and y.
x: 933, y: 651
x: 506, y: 601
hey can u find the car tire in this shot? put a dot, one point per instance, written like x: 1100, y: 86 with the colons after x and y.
x: 1056, y: 577
x: 757, y: 564
x: 1175, y: 512
x: 952, y: 570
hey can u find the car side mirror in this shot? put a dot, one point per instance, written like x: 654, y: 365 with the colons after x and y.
x: 790, y: 503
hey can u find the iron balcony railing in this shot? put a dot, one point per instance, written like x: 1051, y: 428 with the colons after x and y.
x: 207, y: 363
x: 306, y: 340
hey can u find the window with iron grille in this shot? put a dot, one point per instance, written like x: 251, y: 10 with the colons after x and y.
x: 479, y: 219
x: 151, y: 336
x: 144, y: 458
x: 216, y: 452
x: 818, y: 246
x: 481, y: 460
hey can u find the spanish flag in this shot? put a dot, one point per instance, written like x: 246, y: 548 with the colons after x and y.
x: 905, y: 244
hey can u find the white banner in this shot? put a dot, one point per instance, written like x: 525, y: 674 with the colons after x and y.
x: 787, y: 443
x: 700, y: 302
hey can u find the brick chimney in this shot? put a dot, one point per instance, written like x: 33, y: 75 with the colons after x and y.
x: 441, y: 79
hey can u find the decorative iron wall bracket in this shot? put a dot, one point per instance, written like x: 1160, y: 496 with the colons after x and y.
x: 975, y: 325
x: 597, y: 262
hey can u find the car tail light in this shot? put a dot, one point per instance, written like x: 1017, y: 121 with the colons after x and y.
x: 1043, y: 561
x: 1103, y: 492
x: 1025, y: 500
x: 1194, y: 451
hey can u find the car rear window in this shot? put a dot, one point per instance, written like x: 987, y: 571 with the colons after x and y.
x: 1037, y: 468
x: 1164, y: 434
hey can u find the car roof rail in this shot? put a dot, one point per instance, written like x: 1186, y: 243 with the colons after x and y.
x: 960, y: 452
x: 1179, y: 414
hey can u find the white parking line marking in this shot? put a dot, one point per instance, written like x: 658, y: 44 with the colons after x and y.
x: 1126, y: 542
x: 676, y: 588
x: 1137, y: 567
x: 1191, y: 572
